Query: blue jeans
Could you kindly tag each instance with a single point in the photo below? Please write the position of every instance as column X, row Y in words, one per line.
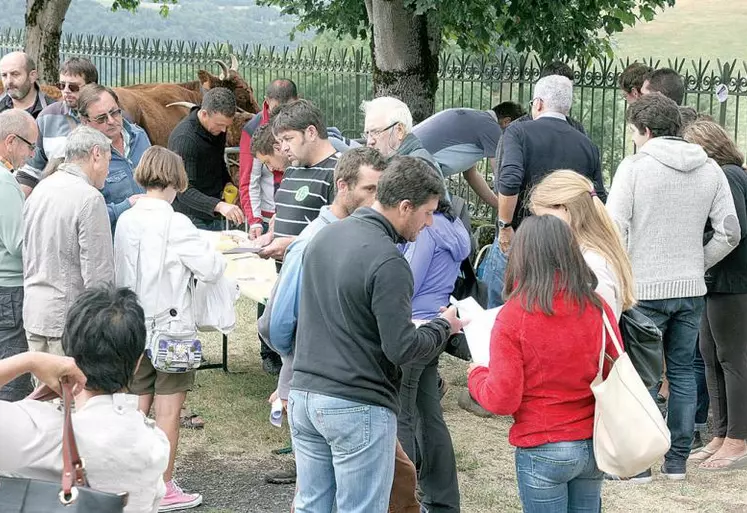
column 495, row 272
column 679, row 322
column 559, row 477
column 344, row 453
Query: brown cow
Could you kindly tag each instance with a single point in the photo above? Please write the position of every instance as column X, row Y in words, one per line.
column 146, row 104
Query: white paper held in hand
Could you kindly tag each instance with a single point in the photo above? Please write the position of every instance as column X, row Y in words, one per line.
column 276, row 413
column 477, row 332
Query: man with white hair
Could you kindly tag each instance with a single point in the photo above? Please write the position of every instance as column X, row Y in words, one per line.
column 531, row 150
column 67, row 244
column 19, row 76
column 388, row 128
column 17, row 131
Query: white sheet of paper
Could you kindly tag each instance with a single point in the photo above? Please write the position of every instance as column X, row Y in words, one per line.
column 477, row 332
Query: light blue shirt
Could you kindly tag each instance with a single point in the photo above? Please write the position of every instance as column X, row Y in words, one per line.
column 288, row 291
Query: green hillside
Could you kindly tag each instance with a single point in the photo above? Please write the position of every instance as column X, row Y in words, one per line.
column 692, row 29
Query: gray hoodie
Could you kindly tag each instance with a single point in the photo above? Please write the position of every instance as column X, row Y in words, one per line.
column 661, row 199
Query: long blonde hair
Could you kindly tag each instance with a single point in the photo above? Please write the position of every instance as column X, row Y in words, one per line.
column 715, row 141
column 589, row 220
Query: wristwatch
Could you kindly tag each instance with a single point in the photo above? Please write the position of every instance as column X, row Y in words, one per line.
column 502, row 225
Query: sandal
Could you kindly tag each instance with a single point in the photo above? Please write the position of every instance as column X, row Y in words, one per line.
column 735, row 463
column 700, row 455
column 190, row 420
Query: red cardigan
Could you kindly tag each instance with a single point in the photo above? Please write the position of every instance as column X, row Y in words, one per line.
column 540, row 370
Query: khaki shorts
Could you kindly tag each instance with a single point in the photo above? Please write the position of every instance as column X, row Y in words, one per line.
column 149, row 381
column 44, row 344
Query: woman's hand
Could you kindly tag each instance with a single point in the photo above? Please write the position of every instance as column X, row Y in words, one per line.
column 472, row 367
column 50, row 369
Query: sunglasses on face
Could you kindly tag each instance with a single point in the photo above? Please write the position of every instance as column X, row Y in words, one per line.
column 115, row 114
column 32, row 146
column 71, row 86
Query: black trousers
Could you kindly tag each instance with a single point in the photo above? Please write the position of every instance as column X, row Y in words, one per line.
column 424, row 436
column 723, row 344
column 13, row 340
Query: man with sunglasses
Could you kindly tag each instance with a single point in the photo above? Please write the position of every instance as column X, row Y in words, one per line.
column 17, row 130
column 99, row 108
column 56, row 121
column 18, row 74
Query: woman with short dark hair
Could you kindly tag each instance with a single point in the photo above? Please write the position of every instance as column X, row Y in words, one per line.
column 544, row 355
column 104, row 338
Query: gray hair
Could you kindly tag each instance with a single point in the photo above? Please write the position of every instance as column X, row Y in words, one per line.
column 219, row 100
column 15, row 122
column 556, row 92
column 396, row 111
column 82, row 141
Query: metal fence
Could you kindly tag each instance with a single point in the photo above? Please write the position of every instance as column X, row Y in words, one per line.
column 338, row 80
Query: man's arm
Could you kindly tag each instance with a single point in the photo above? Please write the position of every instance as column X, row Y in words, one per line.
column 480, row 186
column 599, row 177
column 391, row 303
column 726, row 230
column 284, row 317
column 95, row 241
column 11, row 220
column 620, row 199
column 512, row 172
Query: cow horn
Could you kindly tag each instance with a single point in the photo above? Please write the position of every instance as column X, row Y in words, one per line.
column 239, row 109
column 224, row 69
column 182, row 104
column 234, row 63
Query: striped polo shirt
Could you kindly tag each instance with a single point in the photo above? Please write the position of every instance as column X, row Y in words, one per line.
column 302, row 193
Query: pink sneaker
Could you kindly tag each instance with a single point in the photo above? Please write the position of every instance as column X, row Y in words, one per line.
column 175, row 498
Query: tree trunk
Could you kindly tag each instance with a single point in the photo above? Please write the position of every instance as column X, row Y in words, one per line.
column 43, row 32
column 405, row 49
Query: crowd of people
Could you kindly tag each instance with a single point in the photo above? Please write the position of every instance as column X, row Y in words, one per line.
column 100, row 243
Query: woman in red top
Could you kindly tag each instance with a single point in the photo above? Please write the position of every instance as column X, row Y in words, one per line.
column 544, row 354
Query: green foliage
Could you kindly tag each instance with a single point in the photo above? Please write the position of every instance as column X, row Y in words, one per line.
column 550, row 28
column 132, row 5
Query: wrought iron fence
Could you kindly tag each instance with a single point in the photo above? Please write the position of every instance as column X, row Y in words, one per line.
column 339, row 80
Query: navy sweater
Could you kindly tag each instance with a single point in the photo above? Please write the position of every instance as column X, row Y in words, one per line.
column 534, row 149
column 354, row 324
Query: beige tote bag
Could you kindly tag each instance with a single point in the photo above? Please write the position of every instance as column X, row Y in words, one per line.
column 630, row 435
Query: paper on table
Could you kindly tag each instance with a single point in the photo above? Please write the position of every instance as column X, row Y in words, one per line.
column 477, row 332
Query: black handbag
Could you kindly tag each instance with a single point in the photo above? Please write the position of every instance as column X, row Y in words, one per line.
column 643, row 343
column 72, row 495
column 467, row 285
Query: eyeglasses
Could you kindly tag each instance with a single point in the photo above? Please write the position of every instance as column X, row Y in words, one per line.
column 28, row 143
column 377, row 132
column 531, row 103
column 71, row 86
column 115, row 114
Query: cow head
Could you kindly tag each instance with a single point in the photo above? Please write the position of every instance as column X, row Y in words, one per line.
column 230, row 79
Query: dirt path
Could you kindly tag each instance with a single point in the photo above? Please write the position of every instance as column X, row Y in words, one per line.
column 234, row 484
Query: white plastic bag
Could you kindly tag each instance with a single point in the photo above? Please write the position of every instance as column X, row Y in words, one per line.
column 215, row 305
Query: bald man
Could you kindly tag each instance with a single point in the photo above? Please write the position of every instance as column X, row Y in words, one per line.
column 17, row 133
column 19, row 76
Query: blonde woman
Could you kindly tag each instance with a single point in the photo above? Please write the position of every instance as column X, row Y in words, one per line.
column 571, row 197
column 723, row 330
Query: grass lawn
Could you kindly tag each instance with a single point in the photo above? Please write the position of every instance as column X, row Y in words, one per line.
column 691, row 29
column 236, row 411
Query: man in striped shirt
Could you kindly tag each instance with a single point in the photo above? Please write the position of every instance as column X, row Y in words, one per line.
column 308, row 183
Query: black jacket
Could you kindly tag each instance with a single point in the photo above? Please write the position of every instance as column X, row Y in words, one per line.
column 534, row 149
column 729, row 276
column 202, row 153
column 354, row 326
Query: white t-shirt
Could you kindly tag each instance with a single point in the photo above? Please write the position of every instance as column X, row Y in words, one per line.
column 609, row 284
column 123, row 451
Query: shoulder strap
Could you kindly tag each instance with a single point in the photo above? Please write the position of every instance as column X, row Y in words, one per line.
column 162, row 263
column 607, row 328
column 73, row 470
